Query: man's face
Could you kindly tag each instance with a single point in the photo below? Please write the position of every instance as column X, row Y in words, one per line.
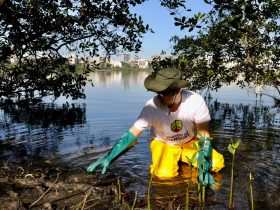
column 167, row 97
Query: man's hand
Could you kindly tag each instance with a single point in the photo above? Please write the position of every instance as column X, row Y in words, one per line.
column 102, row 162
column 125, row 141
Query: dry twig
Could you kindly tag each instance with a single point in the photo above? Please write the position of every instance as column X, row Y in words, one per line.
column 45, row 192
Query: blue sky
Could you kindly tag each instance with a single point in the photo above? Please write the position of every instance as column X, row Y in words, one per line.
column 162, row 24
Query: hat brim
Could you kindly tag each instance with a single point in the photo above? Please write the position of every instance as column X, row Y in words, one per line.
column 152, row 84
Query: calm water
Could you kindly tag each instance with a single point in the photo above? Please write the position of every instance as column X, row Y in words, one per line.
column 76, row 134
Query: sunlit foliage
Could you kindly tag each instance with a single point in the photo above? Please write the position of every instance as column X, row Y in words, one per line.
column 31, row 30
column 237, row 41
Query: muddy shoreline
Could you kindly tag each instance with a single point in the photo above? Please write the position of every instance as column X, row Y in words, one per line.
column 43, row 186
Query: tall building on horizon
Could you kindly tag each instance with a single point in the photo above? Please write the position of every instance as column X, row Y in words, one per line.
column 126, row 57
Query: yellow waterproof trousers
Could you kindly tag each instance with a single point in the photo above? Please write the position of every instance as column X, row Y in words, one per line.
column 165, row 158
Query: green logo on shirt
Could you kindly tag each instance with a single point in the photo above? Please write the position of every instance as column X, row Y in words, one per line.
column 177, row 125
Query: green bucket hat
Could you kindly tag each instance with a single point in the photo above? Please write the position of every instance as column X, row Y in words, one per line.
column 168, row 78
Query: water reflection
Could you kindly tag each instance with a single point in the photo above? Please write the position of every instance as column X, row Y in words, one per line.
column 78, row 134
column 45, row 115
column 258, row 129
column 239, row 117
column 103, row 78
column 36, row 130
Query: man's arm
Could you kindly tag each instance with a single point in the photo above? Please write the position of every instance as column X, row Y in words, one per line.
column 126, row 141
column 135, row 131
column 203, row 129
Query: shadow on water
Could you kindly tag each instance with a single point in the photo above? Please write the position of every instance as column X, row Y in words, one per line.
column 36, row 130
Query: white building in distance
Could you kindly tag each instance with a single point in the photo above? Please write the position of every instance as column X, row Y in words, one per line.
column 143, row 63
column 126, row 57
column 116, row 63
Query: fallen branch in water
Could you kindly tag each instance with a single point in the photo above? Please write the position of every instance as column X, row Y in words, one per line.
column 50, row 187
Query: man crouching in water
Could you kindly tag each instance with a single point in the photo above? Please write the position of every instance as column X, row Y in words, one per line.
column 176, row 116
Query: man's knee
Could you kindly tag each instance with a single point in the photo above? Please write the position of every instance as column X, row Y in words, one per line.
column 217, row 161
column 164, row 160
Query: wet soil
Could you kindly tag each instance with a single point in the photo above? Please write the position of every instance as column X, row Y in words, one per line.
column 40, row 185
column 43, row 186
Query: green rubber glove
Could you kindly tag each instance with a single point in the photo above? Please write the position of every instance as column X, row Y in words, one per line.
column 204, row 161
column 125, row 141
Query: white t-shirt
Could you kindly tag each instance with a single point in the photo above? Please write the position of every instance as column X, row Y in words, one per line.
column 174, row 128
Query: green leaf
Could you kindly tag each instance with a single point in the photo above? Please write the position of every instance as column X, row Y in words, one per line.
column 189, row 161
column 209, row 138
column 195, row 146
column 199, row 135
column 231, row 149
column 201, row 142
column 235, row 144
column 210, row 72
column 194, row 157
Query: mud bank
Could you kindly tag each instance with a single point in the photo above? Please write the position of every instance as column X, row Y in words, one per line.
column 42, row 186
